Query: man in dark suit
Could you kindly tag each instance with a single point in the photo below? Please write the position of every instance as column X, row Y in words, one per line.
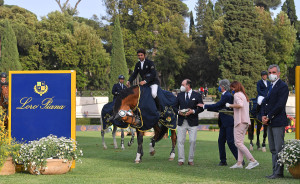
column 262, row 88
column 226, row 122
column 118, row 87
column 146, row 69
column 186, row 106
column 263, row 85
column 274, row 115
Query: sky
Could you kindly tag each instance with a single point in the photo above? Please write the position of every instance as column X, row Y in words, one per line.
column 87, row 8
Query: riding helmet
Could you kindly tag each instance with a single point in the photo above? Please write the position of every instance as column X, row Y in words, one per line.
column 121, row 77
column 3, row 75
column 263, row 73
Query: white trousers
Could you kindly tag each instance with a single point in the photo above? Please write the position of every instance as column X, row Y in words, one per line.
column 154, row 88
column 181, row 135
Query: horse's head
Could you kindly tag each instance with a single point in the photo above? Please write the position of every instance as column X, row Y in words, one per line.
column 125, row 104
column 4, row 94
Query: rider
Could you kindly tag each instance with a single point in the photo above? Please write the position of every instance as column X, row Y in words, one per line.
column 3, row 81
column 146, row 69
column 118, row 87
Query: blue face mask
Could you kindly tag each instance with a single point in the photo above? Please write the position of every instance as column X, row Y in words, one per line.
column 219, row 88
column 233, row 92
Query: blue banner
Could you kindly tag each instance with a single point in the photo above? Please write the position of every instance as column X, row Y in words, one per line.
column 40, row 104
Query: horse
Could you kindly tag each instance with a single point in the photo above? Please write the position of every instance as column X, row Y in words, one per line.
column 126, row 109
column 105, row 122
column 254, row 110
column 4, row 103
column 114, row 137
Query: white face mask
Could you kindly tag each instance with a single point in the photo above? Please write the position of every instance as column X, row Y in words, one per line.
column 182, row 89
column 273, row 77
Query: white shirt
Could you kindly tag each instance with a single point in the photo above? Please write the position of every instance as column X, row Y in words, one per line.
column 121, row 85
column 265, row 82
column 142, row 63
column 189, row 93
column 273, row 83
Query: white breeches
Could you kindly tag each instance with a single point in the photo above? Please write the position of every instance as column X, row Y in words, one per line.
column 154, row 88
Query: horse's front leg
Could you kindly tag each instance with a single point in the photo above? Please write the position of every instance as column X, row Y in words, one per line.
column 259, row 125
column 140, row 152
column 114, row 136
column 122, row 139
column 153, row 140
column 132, row 137
column 174, row 140
column 264, row 149
column 103, row 141
column 251, row 133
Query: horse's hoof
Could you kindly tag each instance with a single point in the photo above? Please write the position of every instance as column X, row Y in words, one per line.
column 264, row 149
column 105, row 147
column 137, row 161
column 251, row 148
column 123, row 148
column 259, row 149
column 152, row 153
column 116, row 147
column 171, row 159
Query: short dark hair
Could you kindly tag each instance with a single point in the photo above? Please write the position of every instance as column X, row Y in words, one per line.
column 189, row 82
column 141, row 51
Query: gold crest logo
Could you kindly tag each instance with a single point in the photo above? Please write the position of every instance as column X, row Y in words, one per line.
column 40, row 88
column 168, row 119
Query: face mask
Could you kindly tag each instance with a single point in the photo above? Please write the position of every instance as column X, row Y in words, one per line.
column 233, row 92
column 182, row 89
column 219, row 88
column 273, row 77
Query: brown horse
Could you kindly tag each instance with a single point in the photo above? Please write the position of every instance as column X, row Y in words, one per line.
column 125, row 108
column 4, row 103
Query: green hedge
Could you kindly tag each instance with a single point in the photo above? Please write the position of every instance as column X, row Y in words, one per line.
column 87, row 121
column 208, row 121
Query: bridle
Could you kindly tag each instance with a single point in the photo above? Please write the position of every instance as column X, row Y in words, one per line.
column 129, row 113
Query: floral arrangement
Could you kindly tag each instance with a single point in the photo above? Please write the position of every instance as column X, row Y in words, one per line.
column 36, row 153
column 7, row 148
column 290, row 154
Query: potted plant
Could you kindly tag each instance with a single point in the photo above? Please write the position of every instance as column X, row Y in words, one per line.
column 290, row 156
column 49, row 155
column 8, row 151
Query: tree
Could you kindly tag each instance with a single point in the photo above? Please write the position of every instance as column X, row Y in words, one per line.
column 118, row 64
column 192, row 26
column 66, row 7
column 289, row 8
column 9, row 53
column 243, row 48
column 1, row 2
column 285, row 35
column 267, row 4
column 200, row 12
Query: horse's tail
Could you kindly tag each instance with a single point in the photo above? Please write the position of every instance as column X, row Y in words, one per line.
column 162, row 131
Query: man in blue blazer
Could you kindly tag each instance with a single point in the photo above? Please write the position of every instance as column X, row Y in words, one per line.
column 274, row 115
column 118, row 87
column 226, row 122
column 187, row 109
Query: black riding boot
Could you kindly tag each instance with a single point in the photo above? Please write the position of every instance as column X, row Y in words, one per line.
column 158, row 106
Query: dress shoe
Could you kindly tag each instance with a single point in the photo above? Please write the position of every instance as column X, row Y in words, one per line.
column 275, row 176
column 180, row 163
column 222, row 164
column 191, row 163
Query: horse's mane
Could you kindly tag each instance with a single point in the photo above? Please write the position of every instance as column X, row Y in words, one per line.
column 123, row 94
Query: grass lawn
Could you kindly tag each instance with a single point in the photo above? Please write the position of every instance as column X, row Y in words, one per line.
column 117, row 166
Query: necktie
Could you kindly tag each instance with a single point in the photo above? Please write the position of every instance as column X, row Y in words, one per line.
column 271, row 87
column 187, row 98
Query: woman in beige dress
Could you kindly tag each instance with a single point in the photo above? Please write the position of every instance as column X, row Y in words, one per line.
column 241, row 122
